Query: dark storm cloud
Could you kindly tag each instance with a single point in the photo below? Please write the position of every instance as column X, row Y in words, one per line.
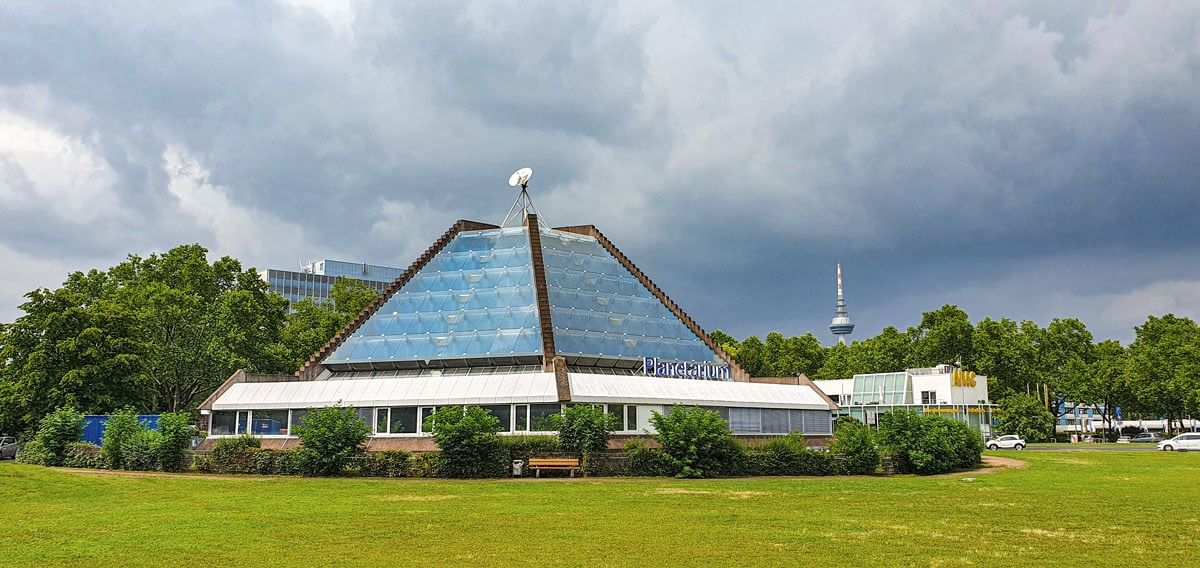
column 943, row 152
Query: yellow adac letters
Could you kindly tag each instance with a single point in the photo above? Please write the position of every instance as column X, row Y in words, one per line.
column 961, row 378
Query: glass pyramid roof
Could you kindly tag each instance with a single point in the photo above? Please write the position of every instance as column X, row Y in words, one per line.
column 474, row 299
column 599, row 309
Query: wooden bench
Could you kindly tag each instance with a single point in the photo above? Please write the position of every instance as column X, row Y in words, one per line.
column 538, row 464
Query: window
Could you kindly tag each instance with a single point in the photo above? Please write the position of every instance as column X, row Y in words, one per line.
column 224, row 423
column 426, row 412
column 744, row 420
column 243, row 420
column 298, row 416
column 403, row 420
column 928, row 397
column 269, row 423
column 618, row 410
column 631, row 418
column 539, row 416
column 522, row 422
column 381, row 420
column 504, row 414
column 774, row 421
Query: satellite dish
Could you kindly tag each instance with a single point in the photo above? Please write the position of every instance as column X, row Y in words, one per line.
column 520, row 177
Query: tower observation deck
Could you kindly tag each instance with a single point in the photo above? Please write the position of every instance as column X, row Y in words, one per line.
column 841, row 325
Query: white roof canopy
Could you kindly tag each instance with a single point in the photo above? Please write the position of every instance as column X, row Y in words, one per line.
column 512, row 389
column 691, row 392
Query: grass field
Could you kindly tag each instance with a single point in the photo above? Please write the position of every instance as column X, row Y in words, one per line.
column 1076, row 508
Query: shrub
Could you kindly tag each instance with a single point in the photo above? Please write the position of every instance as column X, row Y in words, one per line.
column 119, row 428
column 468, row 442
column 385, row 464
column 333, row 434
column 1024, row 415
column 139, row 451
column 525, row 447
column 235, row 455
column 428, row 464
column 696, row 441
column 645, row 461
column 55, row 434
column 787, row 455
column 855, row 445
column 176, row 440
column 584, row 429
column 83, row 455
column 928, row 443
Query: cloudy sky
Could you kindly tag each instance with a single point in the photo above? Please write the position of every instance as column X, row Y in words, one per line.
column 1023, row 160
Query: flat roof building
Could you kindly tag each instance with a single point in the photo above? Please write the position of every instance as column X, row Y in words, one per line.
column 520, row 319
column 316, row 279
column 944, row 390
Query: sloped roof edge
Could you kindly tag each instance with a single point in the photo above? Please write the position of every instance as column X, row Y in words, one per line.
column 313, row 367
column 738, row 373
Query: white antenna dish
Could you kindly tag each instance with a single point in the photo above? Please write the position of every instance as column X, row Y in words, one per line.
column 520, row 177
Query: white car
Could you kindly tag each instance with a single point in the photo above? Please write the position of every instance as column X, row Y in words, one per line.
column 1009, row 442
column 1182, row 442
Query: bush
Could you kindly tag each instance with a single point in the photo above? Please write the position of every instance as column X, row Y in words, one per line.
column 584, row 429
column 56, row 433
column 927, row 443
column 139, row 451
column 468, row 442
column 428, row 464
column 645, row 461
column 386, row 464
column 787, row 455
column 83, row 455
column 119, row 428
column 333, row 434
column 176, row 440
column 1024, row 415
column 696, row 441
column 525, row 447
column 234, row 455
column 854, row 443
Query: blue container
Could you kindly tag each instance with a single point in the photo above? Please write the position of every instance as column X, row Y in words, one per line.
column 94, row 424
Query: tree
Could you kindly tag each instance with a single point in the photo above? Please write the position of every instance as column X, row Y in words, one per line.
column 70, row 349
column 854, row 442
column 1163, row 367
column 56, row 432
column 1025, row 415
column 1104, row 382
column 468, row 441
column 751, row 355
column 158, row 333
column 790, row 356
column 943, row 336
column 331, row 435
column 1065, row 357
column 883, row 353
column 928, row 443
column 696, row 441
column 1004, row 353
column 312, row 324
column 584, row 429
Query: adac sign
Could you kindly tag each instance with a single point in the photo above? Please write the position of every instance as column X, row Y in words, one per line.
column 653, row 367
column 961, row 378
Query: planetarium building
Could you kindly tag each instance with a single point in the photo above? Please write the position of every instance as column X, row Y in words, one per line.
column 520, row 319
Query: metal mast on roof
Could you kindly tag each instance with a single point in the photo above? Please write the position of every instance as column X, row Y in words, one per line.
column 523, row 206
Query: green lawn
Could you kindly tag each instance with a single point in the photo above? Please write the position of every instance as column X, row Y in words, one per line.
column 1066, row 508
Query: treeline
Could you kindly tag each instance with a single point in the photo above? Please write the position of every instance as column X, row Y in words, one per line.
column 1158, row 375
column 156, row 334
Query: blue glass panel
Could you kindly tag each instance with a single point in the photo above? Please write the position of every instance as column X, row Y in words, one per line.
column 474, row 298
column 599, row 308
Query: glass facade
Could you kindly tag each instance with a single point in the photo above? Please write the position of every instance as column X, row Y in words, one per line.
column 600, row 309
column 881, row 388
column 475, row 298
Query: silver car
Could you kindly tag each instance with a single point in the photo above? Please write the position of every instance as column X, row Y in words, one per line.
column 8, row 447
column 1182, row 442
column 1009, row 442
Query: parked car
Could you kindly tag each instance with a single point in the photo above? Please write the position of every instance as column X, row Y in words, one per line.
column 1009, row 442
column 8, row 447
column 1146, row 437
column 1182, row 442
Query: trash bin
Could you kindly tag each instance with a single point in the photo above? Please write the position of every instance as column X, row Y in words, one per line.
column 518, row 468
